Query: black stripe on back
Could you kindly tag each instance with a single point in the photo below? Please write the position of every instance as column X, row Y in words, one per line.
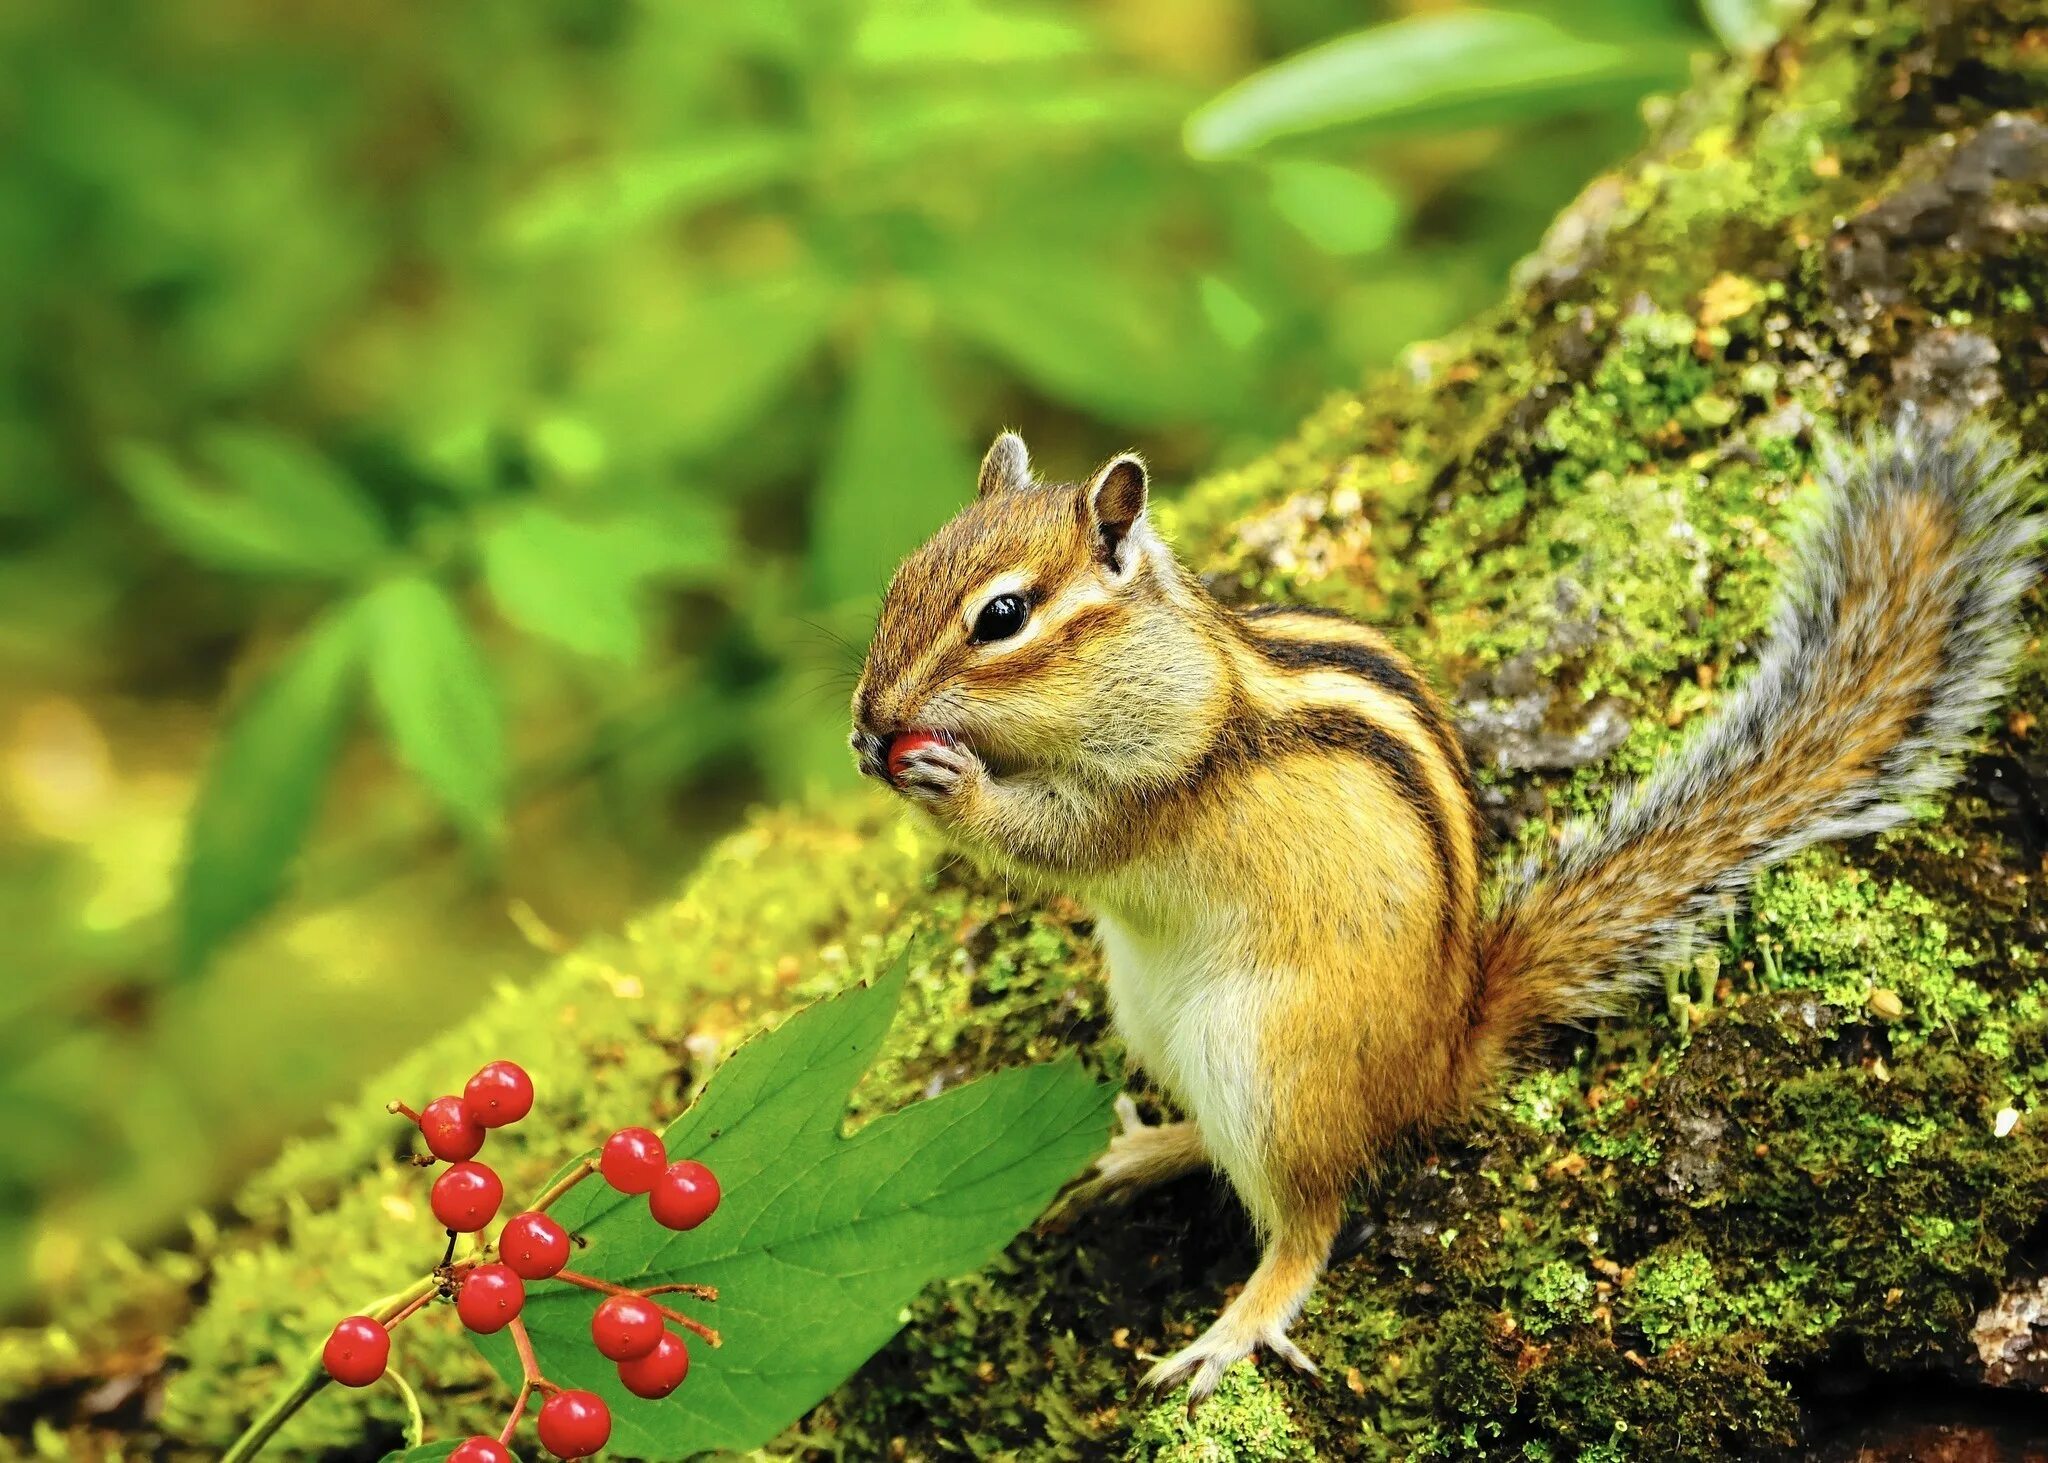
column 1349, row 731
column 1379, row 669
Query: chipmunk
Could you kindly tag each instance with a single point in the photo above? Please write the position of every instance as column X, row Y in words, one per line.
column 1272, row 819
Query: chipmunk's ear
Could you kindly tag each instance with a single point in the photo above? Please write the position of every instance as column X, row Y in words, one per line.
column 1116, row 503
column 1006, row 468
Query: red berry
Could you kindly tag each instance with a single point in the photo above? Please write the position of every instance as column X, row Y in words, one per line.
column 574, row 1424
column 490, row 1297
column 534, row 1246
column 451, row 1133
column 659, row 1372
column 908, row 742
column 481, row 1449
column 357, row 1351
column 500, row 1093
column 684, row 1196
column 466, row 1197
column 632, row 1160
column 626, row 1327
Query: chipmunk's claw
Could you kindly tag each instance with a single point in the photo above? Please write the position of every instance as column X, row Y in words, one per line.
column 1201, row 1365
column 938, row 773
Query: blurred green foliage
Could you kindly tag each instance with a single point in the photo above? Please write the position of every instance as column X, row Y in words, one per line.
column 500, row 420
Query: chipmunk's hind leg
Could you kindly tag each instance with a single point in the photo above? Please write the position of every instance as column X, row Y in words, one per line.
column 1262, row 1312
column 1139, row 1156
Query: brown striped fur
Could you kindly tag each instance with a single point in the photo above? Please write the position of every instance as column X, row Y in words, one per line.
column 1274, row 821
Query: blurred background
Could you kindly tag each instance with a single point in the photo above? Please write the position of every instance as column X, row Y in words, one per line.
column 450, row 454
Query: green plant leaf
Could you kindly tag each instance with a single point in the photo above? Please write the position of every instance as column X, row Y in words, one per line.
column 559, row 579
column 1452, row 68
column 592, row 203
column 963, row 33
column 701, row 373
column 263, row 785
column 821, row 1238
column 579, row 583
column 896, row 472
column 1091, row 334
column 1341, row 211
column 430, row 1453
column 279, row 507
column 435, row 697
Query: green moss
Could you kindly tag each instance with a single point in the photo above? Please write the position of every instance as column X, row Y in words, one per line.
column 1820, row 925
column 1675, row 1295
column 1245, row 1420
column 1556, row 1295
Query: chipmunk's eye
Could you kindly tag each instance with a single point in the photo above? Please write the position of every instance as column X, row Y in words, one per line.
column 1001, row 618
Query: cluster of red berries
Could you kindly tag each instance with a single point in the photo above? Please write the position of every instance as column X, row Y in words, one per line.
column 629, row 1329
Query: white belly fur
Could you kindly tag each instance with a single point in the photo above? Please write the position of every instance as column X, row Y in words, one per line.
column 1191, row 1015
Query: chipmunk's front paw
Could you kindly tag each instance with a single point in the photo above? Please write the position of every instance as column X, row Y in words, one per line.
column 1202, row 1364
column 938, row 773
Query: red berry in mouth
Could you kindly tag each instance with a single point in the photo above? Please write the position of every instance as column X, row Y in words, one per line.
column 481, row 1449
column 901, row 746
column 534, row 1246
column 626, row 1328
column 357, row 1351
column 451, row 1133
column 490, row 1297
column 466, row 1197
column 632, row 1160
column 574, row 1424
column 684, row 1196
column 500, row 1093
column 659, row 1372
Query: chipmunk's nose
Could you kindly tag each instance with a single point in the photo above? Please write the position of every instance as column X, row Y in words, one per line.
column 871, row 750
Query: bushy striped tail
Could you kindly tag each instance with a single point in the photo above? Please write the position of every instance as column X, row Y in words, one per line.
column 1894, row 637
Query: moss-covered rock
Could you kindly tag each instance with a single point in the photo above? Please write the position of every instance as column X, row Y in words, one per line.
column 1823, row 1155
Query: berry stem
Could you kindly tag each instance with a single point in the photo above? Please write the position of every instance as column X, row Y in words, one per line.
column 591, row 1282
column 415, row 1423
column 563, row 1184
column 530, row 1379
column 683, row 1287
column 394, row 1106
column 313, row 1376
column 409, row 1307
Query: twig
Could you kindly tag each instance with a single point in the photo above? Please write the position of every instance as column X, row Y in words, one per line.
column 591, row 1282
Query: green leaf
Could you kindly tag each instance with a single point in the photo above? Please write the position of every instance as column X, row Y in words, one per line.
column 436, row 700
column 579, row 583
column 960, row 33
column 1233, row 315
column 263, row 785
column 896, row 472
column 1340, row 210
column 592, row 203
column 281, row 508
column 1452, row 68
column 1091, row 334
column 699, row 374
column 821, row 1239
column 431, row 1453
